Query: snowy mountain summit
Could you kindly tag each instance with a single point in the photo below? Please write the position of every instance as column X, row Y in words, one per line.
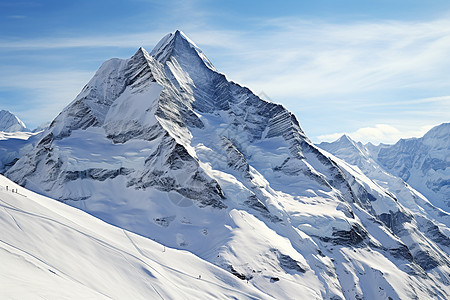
column 165, row 146
column 10, row 122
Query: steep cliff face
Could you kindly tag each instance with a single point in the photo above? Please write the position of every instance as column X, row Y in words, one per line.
column 164, row 145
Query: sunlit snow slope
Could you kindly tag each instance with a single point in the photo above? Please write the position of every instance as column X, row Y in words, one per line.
column 49, row 250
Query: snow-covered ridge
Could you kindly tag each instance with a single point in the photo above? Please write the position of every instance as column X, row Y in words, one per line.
column 14, row 145
column 165, row 146
column 15, row 139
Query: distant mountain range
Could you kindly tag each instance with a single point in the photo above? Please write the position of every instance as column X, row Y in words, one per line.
column 424, row 163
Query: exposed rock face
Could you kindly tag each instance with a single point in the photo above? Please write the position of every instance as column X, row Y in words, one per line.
column 164, row 145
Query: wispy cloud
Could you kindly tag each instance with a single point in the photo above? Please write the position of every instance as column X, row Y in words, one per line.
column 16, row 17
column 47, row 94
column 445, row 100
column 315, row 58
column 307, row 58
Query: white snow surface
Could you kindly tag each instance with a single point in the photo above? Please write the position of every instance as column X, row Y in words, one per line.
column 50, row 250
column 163, row 145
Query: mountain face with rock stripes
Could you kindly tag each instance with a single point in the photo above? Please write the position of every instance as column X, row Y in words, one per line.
column 164, row 145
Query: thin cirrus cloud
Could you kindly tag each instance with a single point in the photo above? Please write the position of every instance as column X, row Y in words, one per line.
column 320, row 58
column 103, row 41
column 46, row 93
column 16, row 17
column 329, row 59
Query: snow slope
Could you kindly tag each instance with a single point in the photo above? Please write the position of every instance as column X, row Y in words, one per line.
column 51, row 250
column 163, row 145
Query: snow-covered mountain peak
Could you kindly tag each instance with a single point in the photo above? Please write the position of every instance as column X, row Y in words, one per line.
column 423, row 162
column 345, row 146
column 345, row 140
column 141, row 53
column 180, row 34
column 181, row 47
column 10, row 122
column 357, row 154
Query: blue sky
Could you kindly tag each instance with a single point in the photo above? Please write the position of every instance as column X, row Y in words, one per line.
column 377, row 70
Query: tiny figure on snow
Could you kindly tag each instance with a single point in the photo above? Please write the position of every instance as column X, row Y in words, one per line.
column 199, row 276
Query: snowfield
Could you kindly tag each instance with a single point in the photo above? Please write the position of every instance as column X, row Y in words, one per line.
column 51, row 250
